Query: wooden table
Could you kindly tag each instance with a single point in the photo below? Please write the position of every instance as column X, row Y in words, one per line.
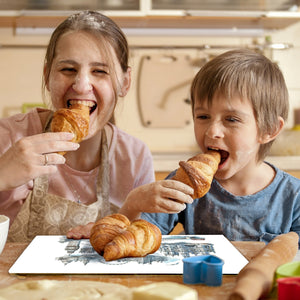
column 13, row 250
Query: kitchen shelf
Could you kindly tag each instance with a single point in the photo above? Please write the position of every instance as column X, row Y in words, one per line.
column 205, row 20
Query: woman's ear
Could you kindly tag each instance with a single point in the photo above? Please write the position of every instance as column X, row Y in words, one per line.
column 126, row 83
column 265, row 138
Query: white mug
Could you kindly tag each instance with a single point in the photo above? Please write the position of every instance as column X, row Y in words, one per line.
column 4, row 226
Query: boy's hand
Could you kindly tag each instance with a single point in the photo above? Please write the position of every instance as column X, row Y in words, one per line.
column 165, row 196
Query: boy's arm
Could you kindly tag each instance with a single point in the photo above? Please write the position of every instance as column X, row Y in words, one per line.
column 165, row 196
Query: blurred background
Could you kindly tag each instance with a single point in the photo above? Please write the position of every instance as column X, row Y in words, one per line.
column 170, row 40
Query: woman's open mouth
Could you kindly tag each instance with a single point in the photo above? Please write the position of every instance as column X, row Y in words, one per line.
column 91, row 104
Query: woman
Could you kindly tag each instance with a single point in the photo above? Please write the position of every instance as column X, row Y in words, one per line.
column 44, row 192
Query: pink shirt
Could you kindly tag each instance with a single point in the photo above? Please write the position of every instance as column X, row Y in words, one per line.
column 130, row 162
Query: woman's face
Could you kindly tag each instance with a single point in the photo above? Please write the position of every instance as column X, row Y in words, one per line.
column 80, row 73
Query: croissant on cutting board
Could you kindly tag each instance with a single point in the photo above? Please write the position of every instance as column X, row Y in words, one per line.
column 198, row 172
column 75, row 120
column 106, row 229
column 139, row 239
column 115, row 237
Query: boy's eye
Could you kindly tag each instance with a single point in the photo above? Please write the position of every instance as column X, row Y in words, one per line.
column 101, row 71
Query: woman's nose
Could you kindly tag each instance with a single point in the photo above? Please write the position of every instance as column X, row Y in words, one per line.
column 82, row 84
column 215, row 130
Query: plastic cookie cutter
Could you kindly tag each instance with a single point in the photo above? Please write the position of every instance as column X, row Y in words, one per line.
column 291, row 269
column 288, row 281
column 288, row 288
column 206, row 269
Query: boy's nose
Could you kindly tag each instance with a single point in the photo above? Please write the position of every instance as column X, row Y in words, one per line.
column 82, row 84
column 215, row 130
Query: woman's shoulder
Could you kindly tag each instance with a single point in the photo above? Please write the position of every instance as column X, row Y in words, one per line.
column 122, row 139
column 23, row 123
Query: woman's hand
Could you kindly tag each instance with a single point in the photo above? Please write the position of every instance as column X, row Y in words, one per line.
column 80, row 232
column 165, row 196
column 33, row 156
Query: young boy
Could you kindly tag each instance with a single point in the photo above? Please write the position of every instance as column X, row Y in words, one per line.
column 239, row 104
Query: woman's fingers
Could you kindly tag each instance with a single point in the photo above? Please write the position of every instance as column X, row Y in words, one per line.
column 49, row 142
column 33, row 156
column 48, row 159
column 80, row 232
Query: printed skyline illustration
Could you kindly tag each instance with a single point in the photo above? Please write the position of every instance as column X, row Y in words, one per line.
column 172, row 250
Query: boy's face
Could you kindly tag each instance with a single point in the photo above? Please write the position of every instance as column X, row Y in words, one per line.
column 230, row 127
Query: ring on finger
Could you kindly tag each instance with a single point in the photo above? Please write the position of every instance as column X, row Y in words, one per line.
column 46, row 159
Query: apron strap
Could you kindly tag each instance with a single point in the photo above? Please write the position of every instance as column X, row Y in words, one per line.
column 103, row 179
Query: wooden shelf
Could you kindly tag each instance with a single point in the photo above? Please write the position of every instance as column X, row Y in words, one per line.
column 212, row 22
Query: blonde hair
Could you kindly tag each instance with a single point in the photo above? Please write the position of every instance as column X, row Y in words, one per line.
column 106, row 30
column 251, row 76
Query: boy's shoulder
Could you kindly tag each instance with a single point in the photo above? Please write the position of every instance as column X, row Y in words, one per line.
column 284, row 175
column 284, row 183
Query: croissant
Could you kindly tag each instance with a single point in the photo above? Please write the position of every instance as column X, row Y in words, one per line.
column 198, row 172
column 105, row 229
column 75, row 120
column 139, row 239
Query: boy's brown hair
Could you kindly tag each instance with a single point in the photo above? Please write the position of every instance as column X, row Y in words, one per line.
column 251, row 76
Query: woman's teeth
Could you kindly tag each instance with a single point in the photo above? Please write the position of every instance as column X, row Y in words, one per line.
column 83, row 102
column 92, row 105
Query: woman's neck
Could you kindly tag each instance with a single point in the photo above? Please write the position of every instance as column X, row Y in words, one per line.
column 88, row 155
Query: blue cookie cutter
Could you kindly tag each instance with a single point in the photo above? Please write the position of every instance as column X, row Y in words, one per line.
column 206, row 269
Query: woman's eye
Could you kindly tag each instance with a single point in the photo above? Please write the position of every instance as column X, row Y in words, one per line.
column 68, row 70
column 202, row 117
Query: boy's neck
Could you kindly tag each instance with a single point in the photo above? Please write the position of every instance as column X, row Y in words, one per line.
column 251, row 182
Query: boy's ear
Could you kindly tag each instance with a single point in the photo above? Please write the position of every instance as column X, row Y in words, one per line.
column 267, row 137
column 126, row 83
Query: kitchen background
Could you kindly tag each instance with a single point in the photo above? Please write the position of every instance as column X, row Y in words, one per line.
column 170, row 41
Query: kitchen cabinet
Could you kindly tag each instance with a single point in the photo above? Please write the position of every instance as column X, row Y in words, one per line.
column 259, row 14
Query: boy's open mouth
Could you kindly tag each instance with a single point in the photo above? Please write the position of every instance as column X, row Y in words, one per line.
column 224, row 154
column 91, row 104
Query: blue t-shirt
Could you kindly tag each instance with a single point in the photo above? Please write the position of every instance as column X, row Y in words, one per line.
column 258, row 217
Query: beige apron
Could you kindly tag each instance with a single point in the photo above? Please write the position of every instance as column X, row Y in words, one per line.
column 48, row 214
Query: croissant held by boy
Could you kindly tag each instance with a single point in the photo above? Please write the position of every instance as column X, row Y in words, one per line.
column 198, row 172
